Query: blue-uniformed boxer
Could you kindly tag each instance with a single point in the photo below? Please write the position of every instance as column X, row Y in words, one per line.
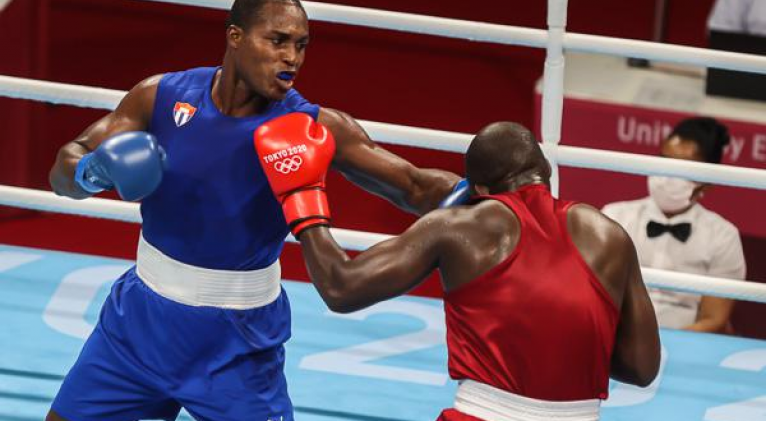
column 200, row 322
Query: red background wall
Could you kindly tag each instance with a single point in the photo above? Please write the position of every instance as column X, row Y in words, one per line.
column 372, row 74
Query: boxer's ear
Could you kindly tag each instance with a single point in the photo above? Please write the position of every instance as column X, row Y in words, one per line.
column 478, row 189
column 234, row 35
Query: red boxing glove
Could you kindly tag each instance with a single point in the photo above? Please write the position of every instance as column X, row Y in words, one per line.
column 295, row 153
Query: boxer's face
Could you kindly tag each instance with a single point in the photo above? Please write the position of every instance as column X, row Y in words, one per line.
column 269, row 54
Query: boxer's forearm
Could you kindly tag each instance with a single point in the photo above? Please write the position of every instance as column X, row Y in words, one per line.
column 322, row 254
column 432, row 186
column 415, row 190
column 386, row 270
column 345, row 285
column 62, row 173
column 366, row 164
column 637, row 352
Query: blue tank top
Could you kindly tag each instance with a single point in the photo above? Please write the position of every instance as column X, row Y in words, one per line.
column 214, row 207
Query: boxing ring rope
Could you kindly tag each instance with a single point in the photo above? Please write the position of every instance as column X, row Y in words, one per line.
column 555, row 40
column 84, row 96
column 357, row 240
column 511, row 35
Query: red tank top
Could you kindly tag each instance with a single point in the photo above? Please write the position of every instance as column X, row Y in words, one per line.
column 539, row 324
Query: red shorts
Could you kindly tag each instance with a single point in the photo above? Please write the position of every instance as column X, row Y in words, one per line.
column 455, row 415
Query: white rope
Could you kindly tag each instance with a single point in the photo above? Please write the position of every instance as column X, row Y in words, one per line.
column 60, row 93
column 117, row 210
column 652, row 165
column 513, row 35
column 84, row 96
column 698, row 284
column 46, row 201
column 359, row 241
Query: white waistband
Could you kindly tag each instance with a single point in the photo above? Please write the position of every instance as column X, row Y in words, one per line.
column 492, row 404
column 197, row 286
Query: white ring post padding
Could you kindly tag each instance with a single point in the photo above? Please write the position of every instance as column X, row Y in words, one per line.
column 359, row 241
column 553, row 87
column 84, row 96
column 513, row 35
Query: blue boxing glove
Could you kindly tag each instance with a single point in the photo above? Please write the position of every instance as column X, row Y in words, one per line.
column 460, row 195
column 131, row 162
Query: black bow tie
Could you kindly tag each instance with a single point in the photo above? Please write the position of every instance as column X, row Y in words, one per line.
column 680, row 231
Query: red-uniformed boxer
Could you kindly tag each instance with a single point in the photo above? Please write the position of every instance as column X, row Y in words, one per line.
column 544, row 298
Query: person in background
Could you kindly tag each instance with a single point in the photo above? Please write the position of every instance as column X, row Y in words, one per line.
column 673, row 231
column 741, row 16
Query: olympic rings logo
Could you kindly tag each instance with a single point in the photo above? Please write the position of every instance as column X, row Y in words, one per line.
column 288, row 165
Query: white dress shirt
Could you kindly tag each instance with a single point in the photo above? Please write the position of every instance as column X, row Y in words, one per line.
column 743, row 16
column 713, row 249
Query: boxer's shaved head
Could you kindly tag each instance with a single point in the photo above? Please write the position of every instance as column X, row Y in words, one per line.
column 503, row 152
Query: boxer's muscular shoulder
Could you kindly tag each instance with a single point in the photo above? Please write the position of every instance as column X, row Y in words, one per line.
column 488, row 223
column 588, row 224
column 139, row 101
column 349, row 135
column 335, row 119
column 493, row 216
column 604, row 245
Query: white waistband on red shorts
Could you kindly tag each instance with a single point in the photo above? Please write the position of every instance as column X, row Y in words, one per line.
column 492, row 404
column 198, row 286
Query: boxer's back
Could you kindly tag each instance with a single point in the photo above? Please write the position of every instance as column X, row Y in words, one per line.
column 539, row 323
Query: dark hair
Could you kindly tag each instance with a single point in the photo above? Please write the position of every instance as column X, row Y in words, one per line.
column 244, row 13
column 709, row 135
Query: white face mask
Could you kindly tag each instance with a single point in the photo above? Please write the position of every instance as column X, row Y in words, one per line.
column 671, row 194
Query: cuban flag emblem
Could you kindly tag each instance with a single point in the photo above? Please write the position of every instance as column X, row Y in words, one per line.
column 182, row 113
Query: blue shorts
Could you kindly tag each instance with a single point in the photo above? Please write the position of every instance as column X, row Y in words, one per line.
column 149, row 356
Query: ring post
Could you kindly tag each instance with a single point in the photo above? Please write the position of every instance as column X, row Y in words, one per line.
column 553, row 87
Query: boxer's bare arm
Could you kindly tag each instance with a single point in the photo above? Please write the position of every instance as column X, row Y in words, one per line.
column 462, row 242
column 384, row 271
column 636, row 356
column 378, row 171
column 609, row 252
column 133, row 113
